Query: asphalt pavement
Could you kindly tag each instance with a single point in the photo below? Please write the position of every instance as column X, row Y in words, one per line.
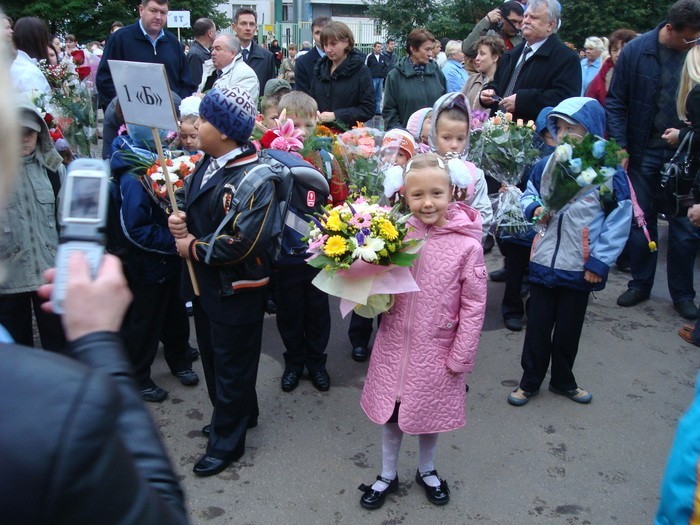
column 551, row 461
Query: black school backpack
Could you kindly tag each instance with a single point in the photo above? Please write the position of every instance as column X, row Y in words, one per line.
column 301, row 191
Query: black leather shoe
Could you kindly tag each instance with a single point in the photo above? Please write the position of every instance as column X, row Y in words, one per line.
column 359, row 353
column 206, row 430
column 290, row 380
column 631, row 297
column 374, row 499
column 209, row 465
column 687, row 309
column 513, row 324
column 498, row 276
column 321, row 380
column 436, row 495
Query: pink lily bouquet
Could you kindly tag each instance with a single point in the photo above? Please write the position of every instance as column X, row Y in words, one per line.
column 364, row 255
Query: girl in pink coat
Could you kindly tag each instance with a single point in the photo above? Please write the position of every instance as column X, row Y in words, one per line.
column 427, row 342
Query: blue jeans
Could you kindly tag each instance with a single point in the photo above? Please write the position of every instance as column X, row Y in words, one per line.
column 377, row 83
column 683, row 239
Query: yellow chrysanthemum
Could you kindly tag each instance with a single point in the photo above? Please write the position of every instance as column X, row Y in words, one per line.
column 335, row 246
column 333, row 223
column 388, row 231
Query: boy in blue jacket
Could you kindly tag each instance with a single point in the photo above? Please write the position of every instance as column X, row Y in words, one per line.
column 571, row 259
column 152, row 267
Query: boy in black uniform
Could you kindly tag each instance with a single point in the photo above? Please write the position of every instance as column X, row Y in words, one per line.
column 229, row 253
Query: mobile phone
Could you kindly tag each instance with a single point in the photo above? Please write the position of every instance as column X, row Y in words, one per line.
column 496, row 98
column 83, row 218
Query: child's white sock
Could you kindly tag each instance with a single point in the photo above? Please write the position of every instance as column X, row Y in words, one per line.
column 391, row 445
column 427, row 444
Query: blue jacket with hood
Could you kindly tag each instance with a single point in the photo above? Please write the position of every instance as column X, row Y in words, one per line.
column 581, row 236
column 153, row 259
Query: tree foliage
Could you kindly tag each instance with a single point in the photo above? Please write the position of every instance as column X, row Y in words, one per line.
column 90, row 20
column 584, row 18
column 456, row 18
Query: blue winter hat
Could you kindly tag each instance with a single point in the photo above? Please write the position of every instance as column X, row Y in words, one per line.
column 231, row 110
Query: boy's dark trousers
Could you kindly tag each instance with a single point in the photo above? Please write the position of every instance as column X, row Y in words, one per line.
column 554, row 324
column 517, row 262
column 360, row 330
column 303, row 317
column 230, row 354
column 156, row 310
column 16, row 317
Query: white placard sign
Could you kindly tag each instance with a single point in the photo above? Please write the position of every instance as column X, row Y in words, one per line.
column 178, row 19
column 144, row 94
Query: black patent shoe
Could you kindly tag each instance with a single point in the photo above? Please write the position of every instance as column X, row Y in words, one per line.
column 436, row 495
column 321, row 380
column 290, row 380
column 374, row 499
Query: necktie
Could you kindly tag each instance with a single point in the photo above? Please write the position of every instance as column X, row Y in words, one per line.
column 211, row 169
column 245, row 55
column 218, row 73
column 514, row 77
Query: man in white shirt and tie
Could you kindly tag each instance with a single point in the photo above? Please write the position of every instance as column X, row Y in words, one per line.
column 258, row 58
column 226, row 68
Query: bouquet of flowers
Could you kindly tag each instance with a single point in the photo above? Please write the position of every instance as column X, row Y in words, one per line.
column 504, row 149
column 362, row 250
column 576, row 167
column 178, row 170
column 358, row 151
column 71, row 103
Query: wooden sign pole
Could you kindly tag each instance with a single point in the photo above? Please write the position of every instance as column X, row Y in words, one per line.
column 173, row 202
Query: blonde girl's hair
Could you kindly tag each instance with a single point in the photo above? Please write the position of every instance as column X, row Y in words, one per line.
column 188, row 119
column 690, row 77
column 428, row 161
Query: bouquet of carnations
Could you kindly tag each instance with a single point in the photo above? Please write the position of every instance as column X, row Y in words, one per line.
column 576, row 167
column 358, row 151
column 178, row 170
column 71, row 103
column 364, row 256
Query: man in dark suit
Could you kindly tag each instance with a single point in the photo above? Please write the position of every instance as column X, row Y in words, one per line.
column 304, row 69
column 245, row 24
column 228, row 248
column 146, row 41
column 204, row 35
column 539, row 72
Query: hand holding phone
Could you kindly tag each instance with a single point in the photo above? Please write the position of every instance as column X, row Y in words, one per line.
column 83, row 219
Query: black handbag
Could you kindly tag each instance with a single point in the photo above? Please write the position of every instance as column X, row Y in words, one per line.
column 679, row 187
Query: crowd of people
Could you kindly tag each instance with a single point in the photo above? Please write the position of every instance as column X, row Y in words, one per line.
column 640, row 90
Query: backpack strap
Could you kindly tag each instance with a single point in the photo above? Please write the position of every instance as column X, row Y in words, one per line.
column 248, row 186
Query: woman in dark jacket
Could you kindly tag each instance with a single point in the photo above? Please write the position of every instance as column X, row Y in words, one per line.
column 688, row 108
column 342, row 84
column 416, row 82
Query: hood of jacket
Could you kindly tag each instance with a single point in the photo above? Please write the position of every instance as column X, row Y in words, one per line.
column 405, row 67
column 46, row 152
column 350, row 66
column 579, row 110
column 450, row 100
column 461, row 219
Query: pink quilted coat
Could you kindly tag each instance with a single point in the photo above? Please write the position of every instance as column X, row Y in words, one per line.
column 427, row 342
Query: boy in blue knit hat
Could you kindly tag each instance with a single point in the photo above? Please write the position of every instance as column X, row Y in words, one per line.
column 229, row 254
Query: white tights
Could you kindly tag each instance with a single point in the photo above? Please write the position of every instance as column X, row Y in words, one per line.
column 391, row 445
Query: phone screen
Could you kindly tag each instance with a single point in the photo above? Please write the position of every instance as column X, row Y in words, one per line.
column 85, row 198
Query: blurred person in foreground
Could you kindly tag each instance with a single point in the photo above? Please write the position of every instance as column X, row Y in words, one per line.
column 97, row 457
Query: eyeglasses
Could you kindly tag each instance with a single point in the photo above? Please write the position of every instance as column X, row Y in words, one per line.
column 695, row 41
